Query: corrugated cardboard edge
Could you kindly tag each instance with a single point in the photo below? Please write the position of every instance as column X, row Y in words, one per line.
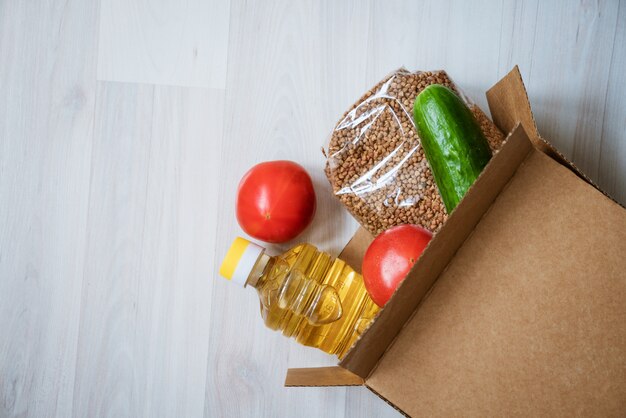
column 373, row 343
column 352, row 254
column 387, row 401
column 368, row 349
column 321, row 376
column 401, row 370
column 518, row 130
column 509, row 105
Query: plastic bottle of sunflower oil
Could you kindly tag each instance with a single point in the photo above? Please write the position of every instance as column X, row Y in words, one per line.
column 305, row 293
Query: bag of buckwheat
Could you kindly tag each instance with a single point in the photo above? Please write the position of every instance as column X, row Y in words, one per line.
column 375, row 163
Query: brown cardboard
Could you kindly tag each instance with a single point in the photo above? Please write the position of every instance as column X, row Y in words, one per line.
column 524, row 310
column 509, row 105
column 529, row 317
column 322, row 376
column 354, row 251
column 369, row 348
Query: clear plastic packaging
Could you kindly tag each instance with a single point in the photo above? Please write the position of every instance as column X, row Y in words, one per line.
column 375, row 163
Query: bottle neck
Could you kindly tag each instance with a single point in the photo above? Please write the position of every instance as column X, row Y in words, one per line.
column 258, row 270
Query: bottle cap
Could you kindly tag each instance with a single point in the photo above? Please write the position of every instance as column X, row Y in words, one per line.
column 240, row 260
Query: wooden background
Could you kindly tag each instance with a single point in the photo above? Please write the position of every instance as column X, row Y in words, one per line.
column 125, row 126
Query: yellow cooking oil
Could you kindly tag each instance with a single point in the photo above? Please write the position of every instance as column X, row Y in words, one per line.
column 307, row 294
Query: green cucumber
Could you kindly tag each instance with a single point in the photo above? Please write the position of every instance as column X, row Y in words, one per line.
column 455, row 147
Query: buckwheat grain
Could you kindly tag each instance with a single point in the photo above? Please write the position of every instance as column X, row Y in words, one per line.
column 375, row 163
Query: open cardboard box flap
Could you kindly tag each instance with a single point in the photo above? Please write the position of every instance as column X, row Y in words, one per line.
column 517, row 306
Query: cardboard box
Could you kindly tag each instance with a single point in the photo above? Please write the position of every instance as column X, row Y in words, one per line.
column 517, row 306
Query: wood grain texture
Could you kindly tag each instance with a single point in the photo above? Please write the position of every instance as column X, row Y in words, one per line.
column 47, row 94
column 117, row 196
column 568, row 77
column 180, row 43
column 108, row 352
column 459, row 37
column 612, row 166
column 304, row 54
column 144, row 323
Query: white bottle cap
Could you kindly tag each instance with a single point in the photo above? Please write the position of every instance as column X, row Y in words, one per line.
column 240, row 260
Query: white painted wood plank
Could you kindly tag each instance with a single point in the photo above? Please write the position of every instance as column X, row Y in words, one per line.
column 517, row 37
column 152, row 328
column 293, row 69
column 564, row 54
column 568, row 78
column 568, row 57
column 477, row 44
column 612, row 176
column 458, row 36
column 113, row 348
column 47, row 94
column 144, row 319
column 178, row 242
column 181, row 43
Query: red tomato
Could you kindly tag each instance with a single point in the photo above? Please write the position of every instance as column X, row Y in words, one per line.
column 389, row 258
column 275, row 201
